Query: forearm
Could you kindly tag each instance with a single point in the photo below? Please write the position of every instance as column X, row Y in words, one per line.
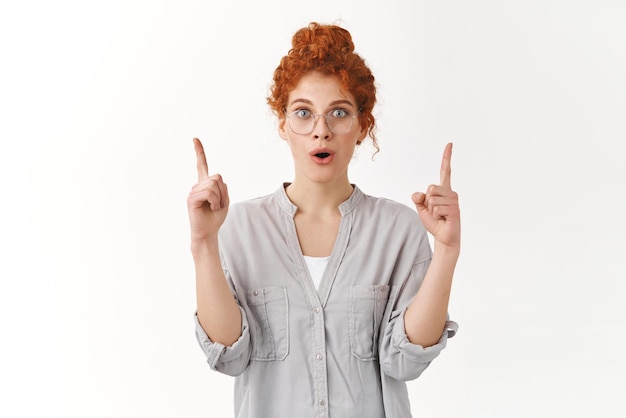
column 217, row 310
column 426, row 316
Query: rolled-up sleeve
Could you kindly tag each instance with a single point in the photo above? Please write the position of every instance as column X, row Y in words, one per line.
column 399, row 358
column 231, row 360
column 404, row 360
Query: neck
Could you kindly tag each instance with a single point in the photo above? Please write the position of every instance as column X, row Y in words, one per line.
column 318, row 198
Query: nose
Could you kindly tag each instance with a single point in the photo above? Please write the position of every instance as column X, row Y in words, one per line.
column 320, row 127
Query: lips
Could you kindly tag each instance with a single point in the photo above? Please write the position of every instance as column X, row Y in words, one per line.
column 321, row 155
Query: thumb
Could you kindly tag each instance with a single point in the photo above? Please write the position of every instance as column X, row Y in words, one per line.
column 419, row 200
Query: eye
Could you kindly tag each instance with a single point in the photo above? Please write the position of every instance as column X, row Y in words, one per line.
column 302, row 113
column 339, row 113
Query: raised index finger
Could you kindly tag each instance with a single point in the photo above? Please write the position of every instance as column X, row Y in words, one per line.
column 445, row 166
column 201, row 164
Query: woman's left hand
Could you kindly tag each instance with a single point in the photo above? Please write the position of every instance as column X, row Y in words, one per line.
column 438, row 208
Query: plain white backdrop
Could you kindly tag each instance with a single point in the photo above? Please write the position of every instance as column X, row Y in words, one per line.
column 99, row 102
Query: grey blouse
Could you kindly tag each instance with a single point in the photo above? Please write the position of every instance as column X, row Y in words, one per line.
column 337, row 351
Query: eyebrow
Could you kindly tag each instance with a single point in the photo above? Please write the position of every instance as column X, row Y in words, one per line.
column 333, row 103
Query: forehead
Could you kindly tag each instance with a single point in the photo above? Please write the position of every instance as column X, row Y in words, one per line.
column 319, row 90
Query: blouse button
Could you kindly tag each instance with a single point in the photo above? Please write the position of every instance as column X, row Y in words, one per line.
column 317, row 309
column 322, row 402
column 319, row 356
column 255, row 293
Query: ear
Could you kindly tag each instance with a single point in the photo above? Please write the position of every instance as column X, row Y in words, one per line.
column 282, row 128
column 361, row 136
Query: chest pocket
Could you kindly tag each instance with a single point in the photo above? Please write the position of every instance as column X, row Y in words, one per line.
column 367, row 306
column 270, row 325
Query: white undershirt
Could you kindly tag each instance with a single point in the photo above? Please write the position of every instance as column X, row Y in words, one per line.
column 316, row 266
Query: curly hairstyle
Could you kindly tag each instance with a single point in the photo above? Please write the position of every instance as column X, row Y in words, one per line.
column 328, row 49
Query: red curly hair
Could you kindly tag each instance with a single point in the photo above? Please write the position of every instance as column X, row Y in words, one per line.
column 328, row 49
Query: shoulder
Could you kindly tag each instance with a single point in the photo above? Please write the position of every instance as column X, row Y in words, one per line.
column 252, row 204
column 383, row 214
column 396, row 224
column 250, row 208
column 388, row 208
column 253, row 214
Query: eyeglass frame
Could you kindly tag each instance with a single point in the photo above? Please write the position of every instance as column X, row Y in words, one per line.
column 315, row 116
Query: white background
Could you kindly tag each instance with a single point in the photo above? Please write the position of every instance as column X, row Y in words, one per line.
column 99, row 102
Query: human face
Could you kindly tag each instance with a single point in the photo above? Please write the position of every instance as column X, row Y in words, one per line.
column 321, row 156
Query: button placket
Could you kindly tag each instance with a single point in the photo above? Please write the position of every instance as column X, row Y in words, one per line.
column 319, row 350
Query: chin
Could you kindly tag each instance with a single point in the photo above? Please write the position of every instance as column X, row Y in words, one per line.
column 323, row 178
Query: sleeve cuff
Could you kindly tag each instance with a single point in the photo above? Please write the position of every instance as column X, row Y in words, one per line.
column 218, row 353
column 415, row 352
column 451, row 328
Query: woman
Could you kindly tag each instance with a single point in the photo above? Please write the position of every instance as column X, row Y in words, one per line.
column 323, row 301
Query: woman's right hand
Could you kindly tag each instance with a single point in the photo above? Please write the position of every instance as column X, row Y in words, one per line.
column 208, row 200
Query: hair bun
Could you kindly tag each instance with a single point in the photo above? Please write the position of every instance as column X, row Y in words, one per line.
column 321, row 41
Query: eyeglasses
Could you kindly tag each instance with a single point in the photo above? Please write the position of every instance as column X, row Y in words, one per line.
column 303, row 121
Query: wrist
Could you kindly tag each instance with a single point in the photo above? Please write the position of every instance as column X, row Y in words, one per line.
column 450, row 252
column 204, row 245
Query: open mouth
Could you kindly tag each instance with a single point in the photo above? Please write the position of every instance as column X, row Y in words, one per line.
column 322, row 154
